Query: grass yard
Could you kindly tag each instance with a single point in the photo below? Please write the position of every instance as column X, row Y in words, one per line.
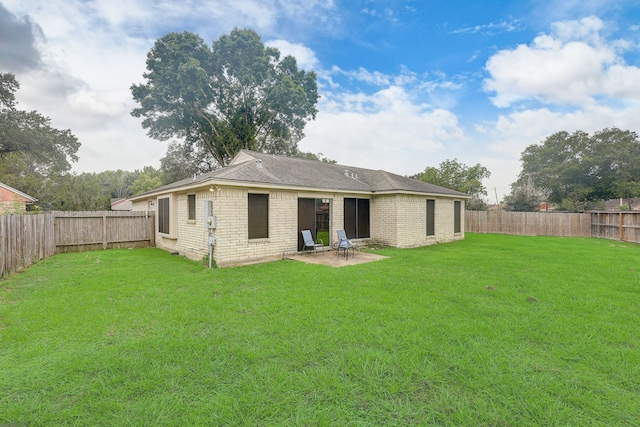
column 493, row 330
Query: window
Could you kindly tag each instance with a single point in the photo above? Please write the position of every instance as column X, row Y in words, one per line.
column 258, row 216
column 431, row 217
column 163, row 216
column 457, row 214
column 191, row 207
column 356, row 218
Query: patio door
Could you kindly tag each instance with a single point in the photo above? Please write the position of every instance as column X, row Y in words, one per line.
column 314, row 215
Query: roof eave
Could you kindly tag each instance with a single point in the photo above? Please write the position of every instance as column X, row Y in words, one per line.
column 422, row 193
column 252, row 184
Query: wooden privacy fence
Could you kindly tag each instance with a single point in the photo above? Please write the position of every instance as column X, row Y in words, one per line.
column 528, row 223
column 87, row 231
column 25, row 239
column 623, row 226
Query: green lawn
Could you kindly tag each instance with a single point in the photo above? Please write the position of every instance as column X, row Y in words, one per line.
column 493, row 331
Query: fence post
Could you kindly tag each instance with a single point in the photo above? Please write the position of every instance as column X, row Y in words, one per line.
column 104, row 232
column 153, row 229
column 620, row 235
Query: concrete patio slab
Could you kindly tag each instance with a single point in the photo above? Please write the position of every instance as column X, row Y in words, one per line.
column 330, row 259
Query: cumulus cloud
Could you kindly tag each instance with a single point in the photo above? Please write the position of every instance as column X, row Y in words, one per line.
column 572, row 65
column 384, row 130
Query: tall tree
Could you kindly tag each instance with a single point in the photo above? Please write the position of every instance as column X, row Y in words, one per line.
column 29, row 136
column 33, row 155
column 579, row 168
column 313, row 156
column 183, row 160
column 457, row 176
column 236, row 94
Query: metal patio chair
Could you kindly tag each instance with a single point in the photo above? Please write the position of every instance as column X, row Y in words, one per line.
column 344, row 244
column 309, row 243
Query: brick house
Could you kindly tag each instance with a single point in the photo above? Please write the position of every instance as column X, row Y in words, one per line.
column 260, row 202
column 12, row 200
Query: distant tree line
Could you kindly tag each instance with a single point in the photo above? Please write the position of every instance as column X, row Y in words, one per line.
column 577, row 171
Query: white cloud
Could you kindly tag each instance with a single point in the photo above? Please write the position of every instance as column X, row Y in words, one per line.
column 572, row 65
column 385, row 130
column 504, row 26
column 305, row 57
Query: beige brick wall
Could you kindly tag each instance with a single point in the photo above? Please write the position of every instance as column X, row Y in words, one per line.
column 396, row 220
column 401, row 220
column 384, row 219
column 192, row 234
column 337, row 217
column 232, row 235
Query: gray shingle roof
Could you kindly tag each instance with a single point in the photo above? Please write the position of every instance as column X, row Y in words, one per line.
column 275, row 170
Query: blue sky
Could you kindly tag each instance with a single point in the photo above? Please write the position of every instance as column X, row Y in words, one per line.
column 404, row 84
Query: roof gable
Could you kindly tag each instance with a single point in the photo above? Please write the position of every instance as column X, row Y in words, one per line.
column 18, row 192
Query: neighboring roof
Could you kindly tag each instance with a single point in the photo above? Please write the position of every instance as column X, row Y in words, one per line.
column 121, row 205
column 613, row 204
column 254, row 168
column 18, row 192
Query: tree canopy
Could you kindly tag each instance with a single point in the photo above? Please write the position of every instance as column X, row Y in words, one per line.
column 457, row 176
column 578, row 168
column 236, row 94
column 525, row 197
column 27, row 139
